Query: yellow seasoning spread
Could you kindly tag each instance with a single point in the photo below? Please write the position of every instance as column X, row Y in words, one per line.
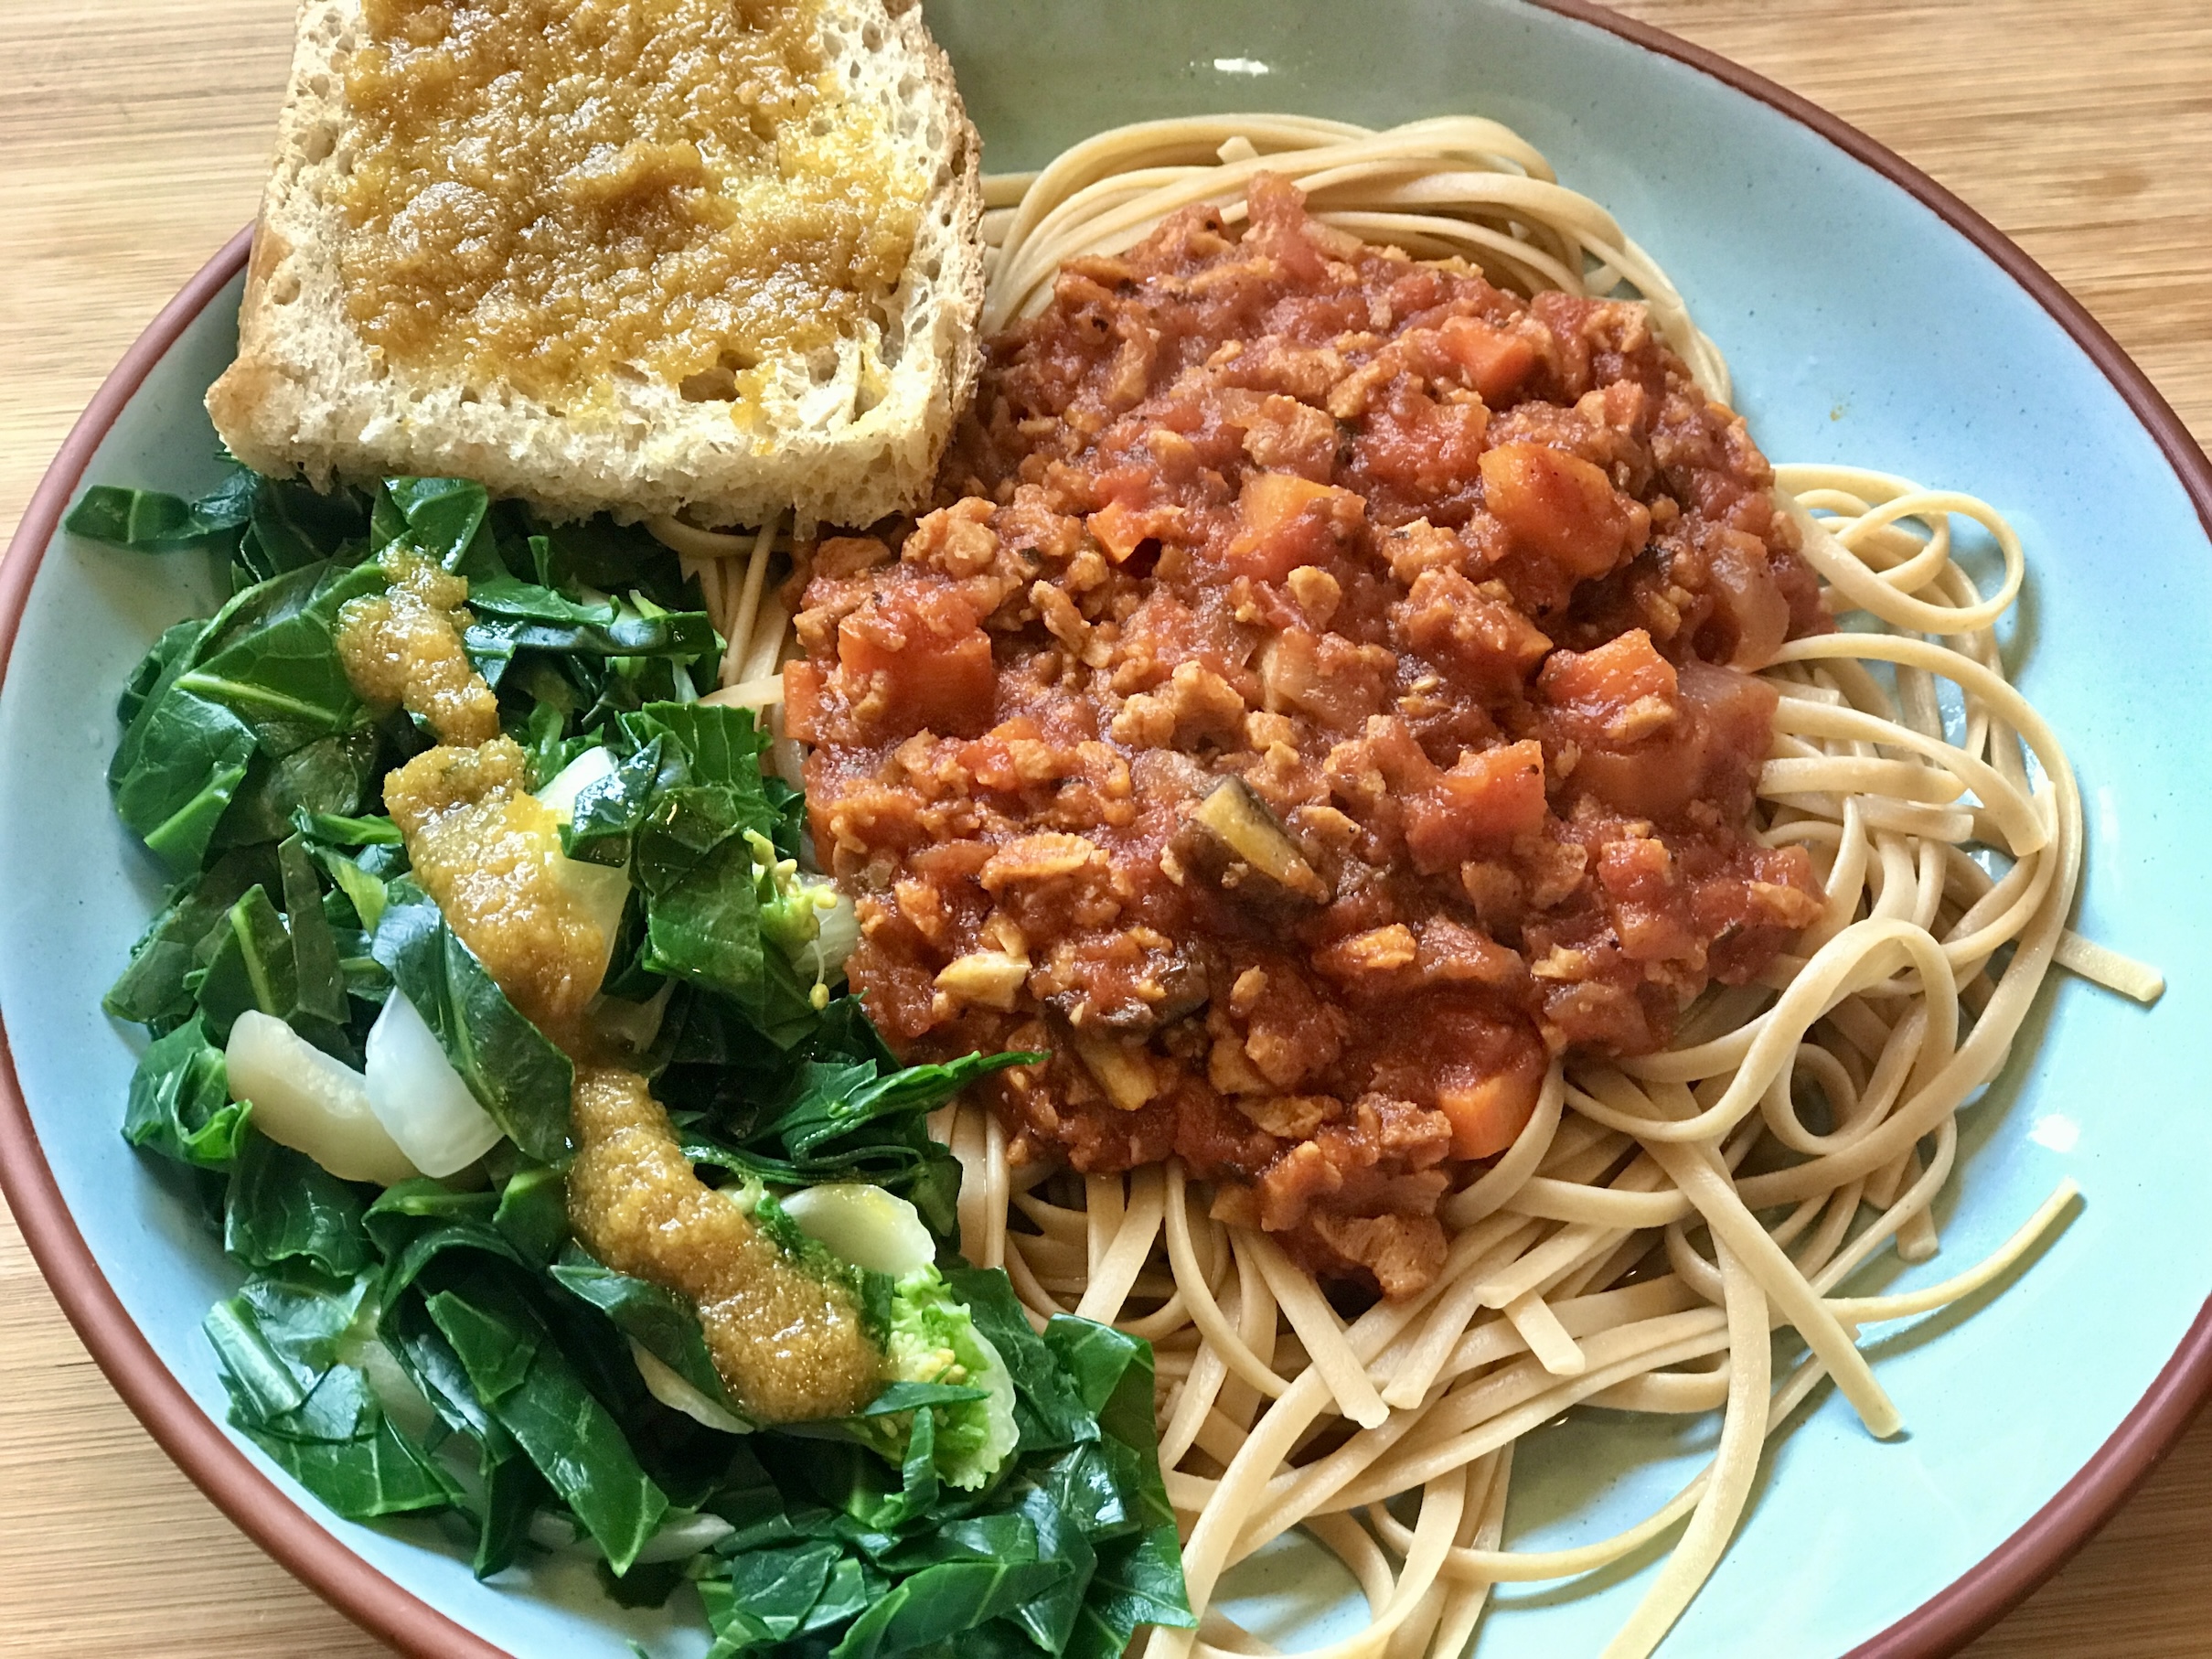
column 544, row 190
column 489, row 852
column 789, row 1345
column 403, row 646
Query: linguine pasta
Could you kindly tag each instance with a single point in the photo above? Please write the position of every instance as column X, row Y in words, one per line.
column 1660, row 1215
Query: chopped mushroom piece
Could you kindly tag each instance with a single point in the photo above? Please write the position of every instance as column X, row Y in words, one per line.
column 1241, row 823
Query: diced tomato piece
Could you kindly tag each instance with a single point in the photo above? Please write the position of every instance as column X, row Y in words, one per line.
column 1496, row 362
column 1284, row 521
column 916, row 659
column 802, row 701
column 1561, row 507
column 1488, row 797
column 1120, row 528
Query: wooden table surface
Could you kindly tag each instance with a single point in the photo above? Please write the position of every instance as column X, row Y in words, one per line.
column 132, row 137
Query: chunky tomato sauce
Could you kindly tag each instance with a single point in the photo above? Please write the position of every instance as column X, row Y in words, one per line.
column 1323, row 698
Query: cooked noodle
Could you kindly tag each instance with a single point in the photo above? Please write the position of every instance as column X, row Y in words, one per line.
column 1616, row 1254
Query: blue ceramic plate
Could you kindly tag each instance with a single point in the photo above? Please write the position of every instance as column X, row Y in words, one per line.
column 1869, row 318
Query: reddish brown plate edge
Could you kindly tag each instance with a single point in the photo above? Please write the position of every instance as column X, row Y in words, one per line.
column 1941, row 1625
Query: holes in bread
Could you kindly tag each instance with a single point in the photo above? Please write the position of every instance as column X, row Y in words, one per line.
column 871, row 37
column 285, row 288
column 717, row 384
column 319, row 142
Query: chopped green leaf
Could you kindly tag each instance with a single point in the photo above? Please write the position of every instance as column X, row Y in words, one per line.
column 283, row 1205
column 513, row 1069
column 530, row 1387
column 180, row 1104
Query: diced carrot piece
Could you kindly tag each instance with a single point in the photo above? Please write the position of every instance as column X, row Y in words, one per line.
column 916, row 659
column 1496, row 362
column 1560, row 507
column 1489, row 1111
column 1487, row 798
column 1286, row 521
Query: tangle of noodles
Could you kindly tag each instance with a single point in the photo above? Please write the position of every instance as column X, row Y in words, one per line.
column 1614, row 1254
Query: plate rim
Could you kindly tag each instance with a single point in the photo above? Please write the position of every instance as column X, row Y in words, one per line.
column 303, row 1544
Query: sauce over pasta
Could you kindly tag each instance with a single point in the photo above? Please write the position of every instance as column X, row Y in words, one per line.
column 1326, row 695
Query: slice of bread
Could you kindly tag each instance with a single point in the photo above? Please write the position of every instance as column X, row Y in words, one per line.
column 843, row 433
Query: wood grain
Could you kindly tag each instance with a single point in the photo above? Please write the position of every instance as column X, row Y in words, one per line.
column 132, row 135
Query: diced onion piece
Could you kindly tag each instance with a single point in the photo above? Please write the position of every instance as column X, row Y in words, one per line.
column 665, row 1384
column 600, row 893
column 868, row 1227
column 418, row 1097
column 1119, row 1068
column 307, row 1100
column 560, row 791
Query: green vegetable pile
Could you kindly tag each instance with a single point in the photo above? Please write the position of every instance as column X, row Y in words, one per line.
column 444, row 1348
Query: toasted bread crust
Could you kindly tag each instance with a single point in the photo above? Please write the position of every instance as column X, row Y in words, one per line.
column 308, row 397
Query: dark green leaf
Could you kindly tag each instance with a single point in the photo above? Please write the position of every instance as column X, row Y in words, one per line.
column 831, row 1100
column 331, row 775
column 515, row 1072
column 321, row 984
column 763, row 1598
column 251, row 966
column 609, row 813
column 180, row 1104
column 445, row 518
column 284, row 678
column 533, row 1212
column 283, row 1204
column 1139, row 1581
column 301, row 1312
column 513, row 1492
column 332, row 829
column 647, row 1584
column 295, row 525
column 1050, row 1618
column 322, row 1427
column 192, row 758
column 161, row 663
column 152, row 989
column 600, row 553
column 529, row 1386
column 150, row 521
column 1047, row 1405
column 939, row 1602
column 911, row 1397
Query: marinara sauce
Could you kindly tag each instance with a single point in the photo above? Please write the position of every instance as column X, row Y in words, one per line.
column 1324, row 696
